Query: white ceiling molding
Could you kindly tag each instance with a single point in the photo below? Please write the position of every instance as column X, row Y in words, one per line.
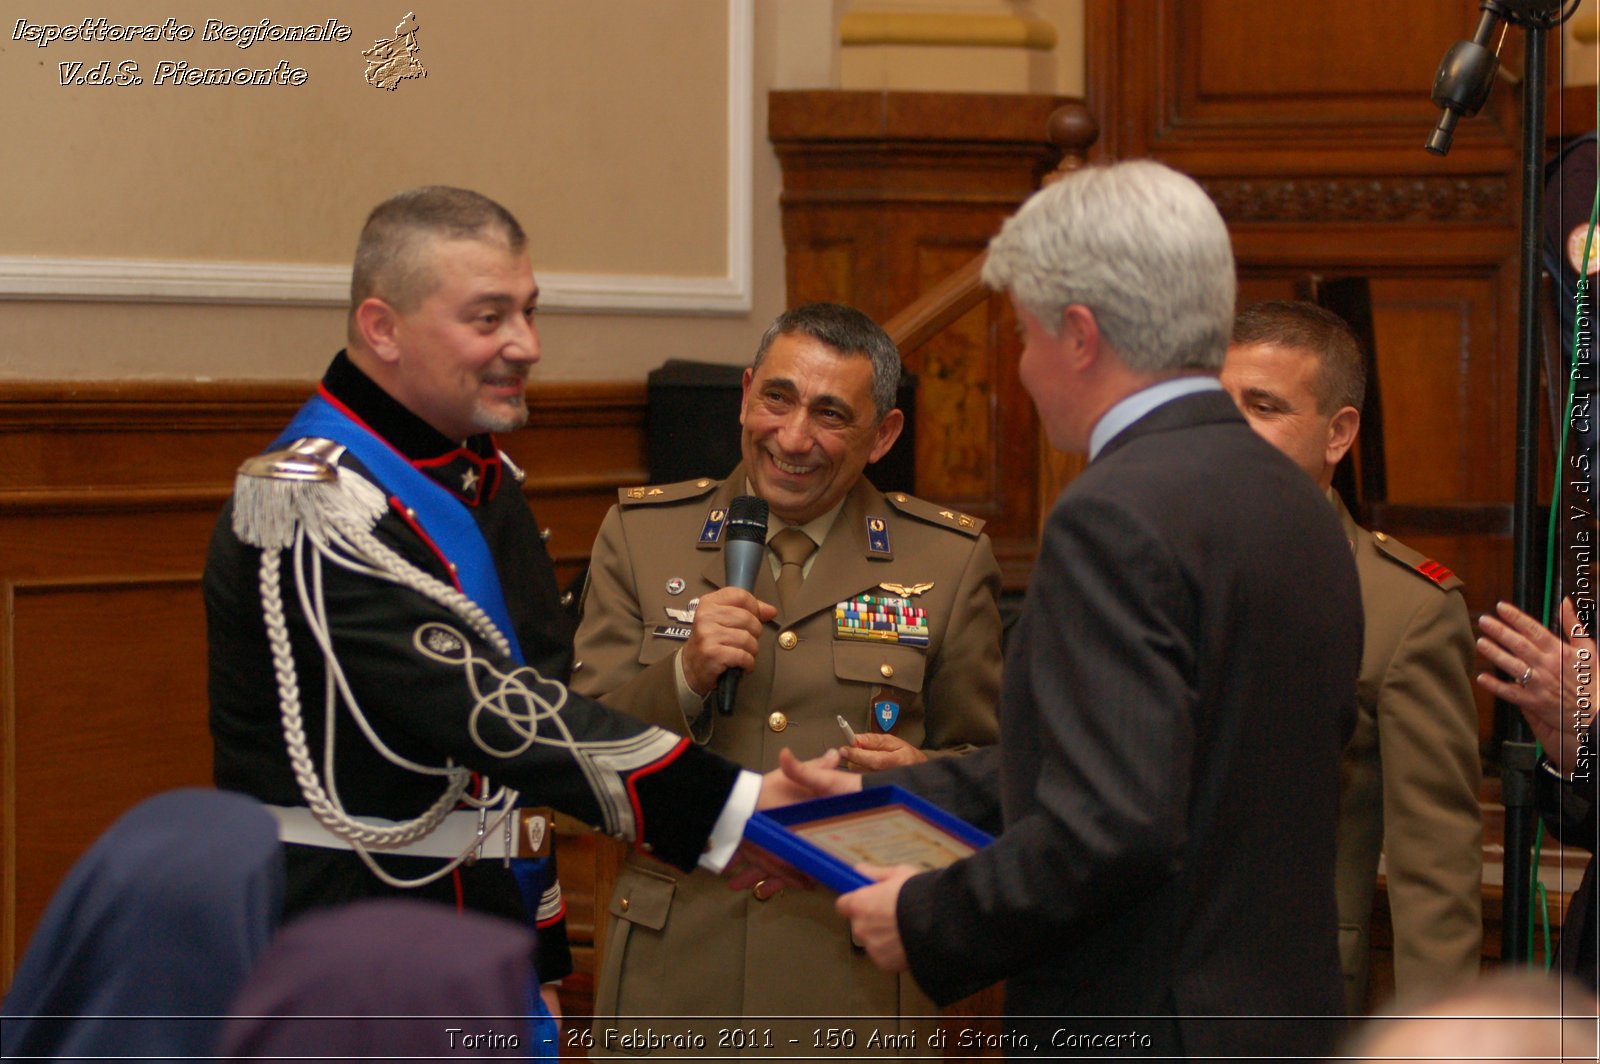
column 26, row 277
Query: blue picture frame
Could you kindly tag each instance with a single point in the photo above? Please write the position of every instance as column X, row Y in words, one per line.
column 772, row 831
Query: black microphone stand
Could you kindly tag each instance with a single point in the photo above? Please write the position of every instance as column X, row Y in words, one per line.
column 1461, row 87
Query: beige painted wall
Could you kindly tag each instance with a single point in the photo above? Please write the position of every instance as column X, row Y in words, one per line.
column 603, row 124
column 1580, row 59
column 968, row 67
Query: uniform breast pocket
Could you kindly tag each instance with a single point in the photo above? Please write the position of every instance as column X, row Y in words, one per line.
column 890, row 679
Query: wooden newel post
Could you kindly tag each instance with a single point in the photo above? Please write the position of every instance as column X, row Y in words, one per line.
column 1073, row 130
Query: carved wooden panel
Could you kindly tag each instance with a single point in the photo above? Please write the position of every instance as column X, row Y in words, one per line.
column 1263, row 88
column 108, row 494
column 1364, row 200
column 1273, row 64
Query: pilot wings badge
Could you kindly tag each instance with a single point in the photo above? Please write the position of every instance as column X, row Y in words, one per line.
column 906, row 590
column 685, row 615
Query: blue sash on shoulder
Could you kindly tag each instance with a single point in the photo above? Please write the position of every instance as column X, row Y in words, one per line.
column 445, row 519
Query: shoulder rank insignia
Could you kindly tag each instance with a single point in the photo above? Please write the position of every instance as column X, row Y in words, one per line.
column 1435, row 572
column 906, row 590
column 1417, row 562
column 711, row 531
column 878, row 536
column 935, row 514
column 677, row 492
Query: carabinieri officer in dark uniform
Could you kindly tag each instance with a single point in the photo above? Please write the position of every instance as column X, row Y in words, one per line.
column 387, row 656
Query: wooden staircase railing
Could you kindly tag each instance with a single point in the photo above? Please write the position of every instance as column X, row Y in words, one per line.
column 1073, row 130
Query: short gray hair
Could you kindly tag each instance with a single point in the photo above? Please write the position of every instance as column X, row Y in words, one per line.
column 1137, row 243
column 393, row 260
column 848, row 332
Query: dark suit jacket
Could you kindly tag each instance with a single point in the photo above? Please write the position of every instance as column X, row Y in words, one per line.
column 1571, row 812
column 1174, row 703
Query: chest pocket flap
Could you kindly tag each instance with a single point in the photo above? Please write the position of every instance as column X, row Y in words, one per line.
column 643, row 897
column 879, row 663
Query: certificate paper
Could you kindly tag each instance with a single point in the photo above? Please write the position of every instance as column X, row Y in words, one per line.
column 889, row 835
column 827, row 837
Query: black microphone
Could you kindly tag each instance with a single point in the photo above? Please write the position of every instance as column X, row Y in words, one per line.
column 1465, row 76
column 1466, row 73
column 743, row 550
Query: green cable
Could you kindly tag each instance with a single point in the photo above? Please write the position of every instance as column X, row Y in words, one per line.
column 1537, row 885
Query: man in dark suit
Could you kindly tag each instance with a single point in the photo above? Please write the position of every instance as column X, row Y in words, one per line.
column 1177, row 691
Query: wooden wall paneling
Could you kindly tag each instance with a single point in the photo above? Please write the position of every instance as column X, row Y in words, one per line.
column 97, row 720
column 108, row 494
column 1258, row 87
column 582, row 443
column 1316, row 65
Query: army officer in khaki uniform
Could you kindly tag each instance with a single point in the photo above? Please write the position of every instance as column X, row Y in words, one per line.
column 659, row 628
column 1409, row 778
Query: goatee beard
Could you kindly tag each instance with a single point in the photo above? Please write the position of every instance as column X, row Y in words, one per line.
column 501, row 418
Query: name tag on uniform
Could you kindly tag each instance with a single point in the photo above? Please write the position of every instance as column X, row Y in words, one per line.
column 672, row 631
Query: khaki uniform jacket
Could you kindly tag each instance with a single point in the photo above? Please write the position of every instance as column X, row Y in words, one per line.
column 687, row 945
column 1409, row 780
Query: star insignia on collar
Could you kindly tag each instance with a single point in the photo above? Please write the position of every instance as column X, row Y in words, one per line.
column 469, row 480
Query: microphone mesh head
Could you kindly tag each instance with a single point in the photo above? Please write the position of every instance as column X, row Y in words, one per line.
column 747, row 518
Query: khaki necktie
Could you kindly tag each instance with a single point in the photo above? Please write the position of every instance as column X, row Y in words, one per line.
column 792, row 547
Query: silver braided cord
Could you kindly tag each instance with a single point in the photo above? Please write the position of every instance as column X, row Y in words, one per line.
column 342, row 534
column 332, row 518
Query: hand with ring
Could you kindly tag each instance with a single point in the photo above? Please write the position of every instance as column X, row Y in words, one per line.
column 1547, row 669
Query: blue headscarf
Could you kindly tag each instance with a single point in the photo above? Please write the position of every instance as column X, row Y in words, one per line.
column 151, row 934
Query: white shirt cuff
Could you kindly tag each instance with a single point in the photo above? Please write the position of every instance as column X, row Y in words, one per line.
column 728, row 831
column 689, row 702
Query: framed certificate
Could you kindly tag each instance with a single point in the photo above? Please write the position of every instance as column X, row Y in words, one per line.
column 825, row 838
